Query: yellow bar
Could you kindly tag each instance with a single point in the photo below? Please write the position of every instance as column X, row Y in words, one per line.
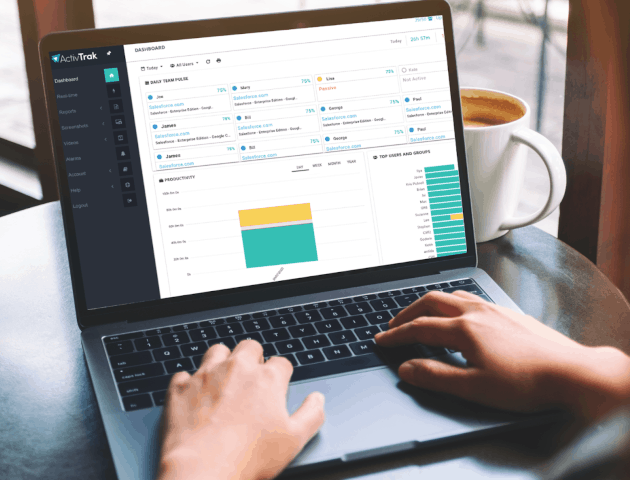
column 265, row 216
column 457, row 216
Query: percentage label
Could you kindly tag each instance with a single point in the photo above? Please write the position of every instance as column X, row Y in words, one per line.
column 310, row 110
column 414, row 39
column 314, row 140
column 389, row 70
column 398, row 132
column 230, row 149
column 227, row 118
column 221, row 89
column 393, row 102
column 306, row 80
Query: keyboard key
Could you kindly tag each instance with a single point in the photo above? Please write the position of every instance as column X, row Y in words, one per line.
column 364, row 298
column 256, row 325
column 194, row 349
column 140, row 371
column 147, row 343
column 174, row 366
column 406, row 300
column 396, row 311
column 384, row 327
column 378, row 317
column 459, row 283
column 302, row 330
column 407, row 291
column 355, row 322
column 474, row 289
column 307, row 317
column 361, row 348
column 125, row 336
column 201, row 334
column 341, row 301
column 213, row 322
column 289, row 346
column 120, row 347
column 188, row 326
column 238, row 318
column 268, row 313
column 144, row 386
column 276, row 335
column 334, row 353
column 437, row 286
column 291, row 358
column 228, row 342
column 383, row 304
column 317, row 341
column 166, row 353
column 269, row 350
column 290, row 310
column 197, row 359
column 131, row 359
column 338, row 338
column 158, row 331
column 312, row 356
column 179, row 338
column 333, row 312
column 231, row 329
column 393, row 293
column 159, row 397
column 285, row 320
column 359, row 308
column 366, row 333
column 315, row 306
column 345, row 365
column 137, row 402
column 249, row 336
column 328, row 326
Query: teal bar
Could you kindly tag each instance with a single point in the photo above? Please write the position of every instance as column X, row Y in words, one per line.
column 443, row 186
column 439, row 193
column 445, row 211
column 451, row 249
column 279, row 245
column 436, row 206
column 449, row 253
column 440, row 218
column 459, row 230
column 445, row 198
column 454, row 241
column 439, row 169
column 439, row 238
column 446, row 174
column 454, row 223
column 438, row 181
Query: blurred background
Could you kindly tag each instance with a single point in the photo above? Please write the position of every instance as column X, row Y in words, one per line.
column 517, row 46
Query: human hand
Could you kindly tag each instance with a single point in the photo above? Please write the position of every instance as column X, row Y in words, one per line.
column 229, row 420
column 514, row 362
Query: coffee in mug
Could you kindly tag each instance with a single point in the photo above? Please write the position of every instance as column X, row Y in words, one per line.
column 497, row 134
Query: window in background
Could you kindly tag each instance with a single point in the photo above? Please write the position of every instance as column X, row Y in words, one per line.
column 16, row 122
column 498, row 44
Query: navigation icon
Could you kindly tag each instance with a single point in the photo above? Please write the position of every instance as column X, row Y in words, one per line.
column 122, row 153
column 113, row 90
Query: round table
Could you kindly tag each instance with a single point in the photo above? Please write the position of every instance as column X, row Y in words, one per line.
column 51, row 426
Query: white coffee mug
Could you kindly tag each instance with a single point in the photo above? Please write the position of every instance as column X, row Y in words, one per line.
column 497, row 157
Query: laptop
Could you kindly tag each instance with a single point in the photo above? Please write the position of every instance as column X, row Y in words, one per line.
column 297, row 179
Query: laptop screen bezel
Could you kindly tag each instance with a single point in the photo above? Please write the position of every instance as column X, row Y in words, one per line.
column 84, row 39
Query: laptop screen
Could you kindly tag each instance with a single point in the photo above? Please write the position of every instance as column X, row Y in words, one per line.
column 207, row 164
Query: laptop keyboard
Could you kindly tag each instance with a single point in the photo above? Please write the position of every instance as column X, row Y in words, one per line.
column 319, row 339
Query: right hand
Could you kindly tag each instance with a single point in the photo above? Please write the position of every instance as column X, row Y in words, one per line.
column 514, row 362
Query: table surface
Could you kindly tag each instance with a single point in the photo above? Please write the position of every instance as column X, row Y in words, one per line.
column 51, row 426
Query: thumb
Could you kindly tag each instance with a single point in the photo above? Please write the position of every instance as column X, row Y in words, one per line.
column 309, row 417
column 439, row 376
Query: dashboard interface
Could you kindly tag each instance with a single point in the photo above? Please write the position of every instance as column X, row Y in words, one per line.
column 207, row 164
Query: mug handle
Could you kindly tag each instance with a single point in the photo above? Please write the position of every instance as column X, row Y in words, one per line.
column 557, row 175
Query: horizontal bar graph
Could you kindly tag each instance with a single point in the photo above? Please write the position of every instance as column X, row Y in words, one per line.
column 278, row 235
column 446, row 209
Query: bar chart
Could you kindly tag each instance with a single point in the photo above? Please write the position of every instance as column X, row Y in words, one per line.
column 446, row 209
column 278, row 235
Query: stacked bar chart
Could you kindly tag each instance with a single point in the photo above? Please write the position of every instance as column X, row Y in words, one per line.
column 278, row 235
column 446, row 209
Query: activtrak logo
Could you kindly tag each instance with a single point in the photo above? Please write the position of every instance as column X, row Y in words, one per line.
column 79, row 57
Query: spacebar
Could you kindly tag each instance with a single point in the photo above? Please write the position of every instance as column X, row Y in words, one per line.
column 306, row 372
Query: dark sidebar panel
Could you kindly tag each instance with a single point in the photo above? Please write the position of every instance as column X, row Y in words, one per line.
column 102, row 162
